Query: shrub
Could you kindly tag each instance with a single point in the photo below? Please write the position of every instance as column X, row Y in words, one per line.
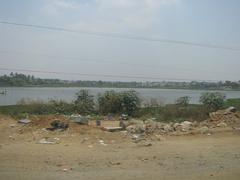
column 109, row 102
column 60, row 106
column 212, row 100
column 123, row 102
column 84, row 103
column 183, row 101
column 130, row 102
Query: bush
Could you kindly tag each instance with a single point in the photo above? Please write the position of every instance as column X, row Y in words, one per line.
column 84, row 103
column 60, row 106
column 126, row 102
column 232, row 102
column 174, row 113
column 130, row 102
column 183, row 101
column 212, row 100
column 109, row 102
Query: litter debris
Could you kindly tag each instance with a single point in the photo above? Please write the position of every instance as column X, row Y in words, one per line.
column 12, row 125
column 112, row 129
column 102, row 142
column 58, row 125
column 114, row 163
column 98, row 123
column 11, row 137
column 24, row 121
column 49, row 141
column 123, row 117
column 83, row 120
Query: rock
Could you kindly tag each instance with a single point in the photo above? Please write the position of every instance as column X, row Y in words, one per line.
column 177, row 127
column 167, row 128
column 80, row 119
column 204, row 130
column 186, row 126
column 12, row 125
column 231, row 110
column 136, row 129
column 24, row 121
column 112, row 129
column 222, row 124
column 145, row 144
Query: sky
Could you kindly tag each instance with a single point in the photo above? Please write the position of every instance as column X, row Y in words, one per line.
column 208, row 22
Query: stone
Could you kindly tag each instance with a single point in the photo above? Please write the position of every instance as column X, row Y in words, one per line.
column 204, row 130
column 167, row 128
column 24, row 121
column 186, row 126
column 222, row 124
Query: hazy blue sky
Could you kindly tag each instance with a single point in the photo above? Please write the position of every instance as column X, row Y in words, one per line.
column 203, row 21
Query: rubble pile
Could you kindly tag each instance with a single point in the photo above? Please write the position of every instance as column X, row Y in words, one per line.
column 224, row 117
column 149, row 127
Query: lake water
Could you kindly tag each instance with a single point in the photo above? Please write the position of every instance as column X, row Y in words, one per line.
column 15, row 94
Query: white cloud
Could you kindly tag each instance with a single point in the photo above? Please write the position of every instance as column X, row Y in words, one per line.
column 55, row 7
column 110, row 14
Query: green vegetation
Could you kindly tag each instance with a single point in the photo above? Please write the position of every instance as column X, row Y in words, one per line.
column 127, row 102
column 21, row 80
column 232, row 102
column 183, row 101
column 174, row 113
column 213, row 100
column 84, row 104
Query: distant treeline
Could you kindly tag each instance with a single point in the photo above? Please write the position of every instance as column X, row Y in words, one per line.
column 22, row 80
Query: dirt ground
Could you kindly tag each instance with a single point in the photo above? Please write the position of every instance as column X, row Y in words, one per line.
column 89, row 153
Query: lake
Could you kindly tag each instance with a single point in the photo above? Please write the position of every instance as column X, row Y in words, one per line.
column 164, row 96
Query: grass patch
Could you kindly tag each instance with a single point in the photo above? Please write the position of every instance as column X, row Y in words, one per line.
column 174, row 113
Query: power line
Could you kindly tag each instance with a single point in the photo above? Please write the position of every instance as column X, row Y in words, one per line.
column 122, row 36
column 100, row 75
column 108, row 62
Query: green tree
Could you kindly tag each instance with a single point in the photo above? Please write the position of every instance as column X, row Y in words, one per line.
column 84, row 103
column 109, row 102
column 212, row 100
column 130, row 102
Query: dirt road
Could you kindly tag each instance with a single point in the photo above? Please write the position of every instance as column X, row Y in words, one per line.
column 81, row 155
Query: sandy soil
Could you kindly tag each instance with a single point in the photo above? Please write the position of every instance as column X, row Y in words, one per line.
column 81, row 155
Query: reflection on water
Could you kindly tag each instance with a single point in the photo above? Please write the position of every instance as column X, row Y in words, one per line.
column 14, row 95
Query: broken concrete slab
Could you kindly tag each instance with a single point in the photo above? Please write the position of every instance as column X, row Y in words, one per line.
column 112, row 129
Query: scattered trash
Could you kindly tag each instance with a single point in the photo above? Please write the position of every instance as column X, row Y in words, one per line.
column 112, row 129
column 82, row 120
column 98, row 123
column 124, row 117
column 11, row 137
column 102, row 142
column 58, row 125
column 12, row 125
column 49, row 141
column 24, row 121
column 145, row 144
column 64, row 169
column 114, row 163
column 84, row 140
